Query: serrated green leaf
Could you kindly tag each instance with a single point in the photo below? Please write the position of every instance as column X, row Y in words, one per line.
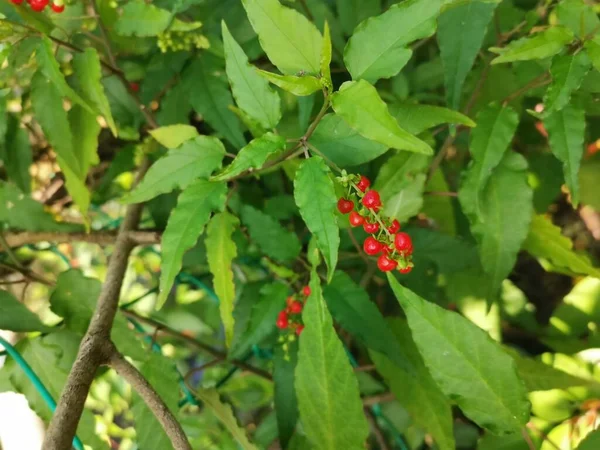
column 327, row 389
column 343, row 145
column 461, row 30
column 326, row 51
column 274, row 240
column 378, row 46
column 286, row 403
column 251, row 91
column 468, row 366
column 360, row 105
column 300, row 86
column 545, row 240
column 578, row 16
column 252, row 156
column 566, row 133
column 194, row 159
column 172, row 136
column 289, row 39
column 592, row 47
column 16, row 155
column 316, row 199
column 591, row 441
column 567, row 73
column 223, row 412
column 539, row 46
column 418, row 393
column 15, row 316
column 416, row 118
column 220, row 252
column 186, row 224
column 142, row 19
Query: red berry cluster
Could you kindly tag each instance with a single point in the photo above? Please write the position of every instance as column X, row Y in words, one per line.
column 290, row 317
column 395, row 247
column 39, row 5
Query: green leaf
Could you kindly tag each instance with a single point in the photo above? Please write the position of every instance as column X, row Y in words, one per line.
column 326, row 51
column 360, row 105
column 378, row 47
column 353, row 12
column 251, row 92
column 316, row 199
column 343, row 145
column 467, row 364
column 417, row 118
column 223, row 412
column 539, row 46
column 186, row 224
column 579, row 309
column 545, row 240
column 459, row 43
column 172, row 136
column 297, row 85
column 578, row 16
column 274, row 240
column 286, row 403
column 253, row 155
column 142, row 19
column 327, row 389
column 194, row 159
column 592, row 47
column 418, row 393
column 501, row 225
column 15, row 316
column 591, row 441
column 356, row 313
column 567, row 73
column 16, row 155
column 566, row 134
column 221, row 251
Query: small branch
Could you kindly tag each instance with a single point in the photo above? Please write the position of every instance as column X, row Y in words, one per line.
column 439, row 157
column 539, row 81
column 187, row 376
column 376, row 429
column 152, row 400
column 104, row 33
column 528, row 440
column 379, row 398
column 95, row 237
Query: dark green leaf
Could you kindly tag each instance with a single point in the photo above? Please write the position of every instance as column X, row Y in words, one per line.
column 286, row 403
column 567, row 73
column 591, row 441
column 353, row 12
column 578, row 16
column 15, row 316
column 416, row 118
column 142, row 19
column 15, row 153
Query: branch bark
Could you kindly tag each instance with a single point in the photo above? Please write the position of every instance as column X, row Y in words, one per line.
column 95, row 237
column 152, row 400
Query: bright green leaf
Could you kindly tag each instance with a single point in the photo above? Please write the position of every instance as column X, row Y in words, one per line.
column 539, row 46
column 578, row 16
column 300, row 86
column 172, row 136
column 567, row 73
column 15, row 316
column 142, row 19
column 592, row 47
column 326, row 57
column 416, row 118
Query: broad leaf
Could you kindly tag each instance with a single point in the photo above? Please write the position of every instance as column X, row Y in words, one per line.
column 360, row 105
column 545, row 240
column 300, row 86
column 592, row 48
column 194, row 159
column 274, row 240
column 251, row 92
column 539, row 46
column 185, row 225
column 15, row 316
column 418, row 393
column 353, row 12
column 578, row 16
column 469, row 367
column 567, row 73
column 142, row 19
column 378, row 46
column 289, row 39
column 591, row 441
column 326, row 54
column 16, row 155
column 172, row 136
column 286, row 403
column 327, row 389
column 220, row 252
column 459, row 44
column 316, row 199
column 416, row 118
column 566, row 133
column 253, row 155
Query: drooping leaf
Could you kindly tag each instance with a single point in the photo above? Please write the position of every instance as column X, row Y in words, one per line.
column 416, row 118
column 274, row 240
column 459, row 43
column 567, row 73
column 545, row 240
column 327, row 389
column 316, row 199
column 418, row 393
column 15, row 316
column 251, row 92
column 172, row 136
column 539, row 46
column 16, row 155
column 360, row 105
column 194, row 159
column 449, row 254
column 286, row 403
column 289, row 39
column 466, row 363
column 378, row 46
column 353, row 12
column 142, row 19
column 578, row 16
column 253, row 155
column 297, row 85
column 566, row 133
column 185, row 225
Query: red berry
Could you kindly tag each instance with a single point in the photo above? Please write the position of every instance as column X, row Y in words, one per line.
column 403, row 243
column 386, row 264
column 299, row 329
column 372, row 200
column 306, row 290
column 38, row 5
column 371, row 227
column 394, row 227
column 356, row 219
column 372, row 246
column 405, row 270
column 57, row 8
column 296, row 307
column 345, row 206
column 17, row 2
column 363, row 184
column 282, row 320
column 386, row 250
column 135, row 87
